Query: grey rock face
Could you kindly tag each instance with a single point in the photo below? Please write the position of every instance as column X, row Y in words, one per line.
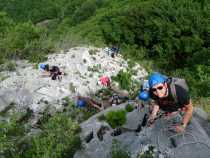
column 19, row 97
column 193, row 143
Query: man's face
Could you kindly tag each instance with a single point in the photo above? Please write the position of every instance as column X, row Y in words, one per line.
column 160, row 90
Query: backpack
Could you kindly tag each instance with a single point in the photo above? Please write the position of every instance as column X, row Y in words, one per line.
column 177, row 81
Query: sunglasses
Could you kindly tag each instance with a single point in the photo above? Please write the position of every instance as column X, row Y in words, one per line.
column 158, row 88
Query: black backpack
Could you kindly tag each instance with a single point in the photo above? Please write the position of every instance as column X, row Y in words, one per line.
column 177, row 81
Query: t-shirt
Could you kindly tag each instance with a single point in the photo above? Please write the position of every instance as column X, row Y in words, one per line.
column 55, row 69
column 168, row 104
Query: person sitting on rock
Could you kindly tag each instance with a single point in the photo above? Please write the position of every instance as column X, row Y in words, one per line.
column 113, row 99
column 100, row 105
column 88, row 102
column 53, row 71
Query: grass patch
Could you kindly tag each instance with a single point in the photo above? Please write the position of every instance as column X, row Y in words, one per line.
column 94, row 68
column 3, row 77
column 116, row 118
column 149, row 152
column 119, row 151
column 129, row 108
column 60, row 138
column 124, row 79
column 203, row 102
column 8, row 66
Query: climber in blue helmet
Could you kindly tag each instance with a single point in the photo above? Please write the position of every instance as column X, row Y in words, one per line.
column 81, row 103
column 144, row 91
column 171, row 96
column 51, row 71
column 143, row 95
column 88, row 102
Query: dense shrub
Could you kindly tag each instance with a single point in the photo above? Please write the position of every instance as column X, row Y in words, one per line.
column 10, row 137
column 60, row 138
column 119, row 151
column 8, row 66
column 86, row 10
column 174, row 34
column 116, row 118
column 124, row 79
column 5, row 24
column 129, row 108
column 19, row 37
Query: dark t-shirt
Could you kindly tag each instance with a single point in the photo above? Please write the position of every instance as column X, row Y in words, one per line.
column 168, row 104
column 54, row 72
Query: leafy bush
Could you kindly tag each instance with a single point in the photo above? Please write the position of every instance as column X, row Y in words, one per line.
column 60, row 138
column 8, row 66
column 86, row 10
column 77, row 114
column 119, row 151
column 116, row 118
column 183, row 43
column 10, row 137
column 5, row 23
column 129, row 108
column 19, row 38
column 124, row 79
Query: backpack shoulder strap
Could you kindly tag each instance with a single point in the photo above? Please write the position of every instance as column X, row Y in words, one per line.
column 179, row 82
column 173, row 89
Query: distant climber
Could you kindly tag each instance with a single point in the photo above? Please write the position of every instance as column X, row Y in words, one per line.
column 112, row 51
column 88, row 102
column 114, row 100
column 171, row 96
column 106, row 82
column 117, row 97
column 51, row 71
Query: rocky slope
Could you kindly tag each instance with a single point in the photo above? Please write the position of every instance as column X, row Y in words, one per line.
column 26, row 88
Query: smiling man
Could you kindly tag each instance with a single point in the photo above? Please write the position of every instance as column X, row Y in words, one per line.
column 171, row 96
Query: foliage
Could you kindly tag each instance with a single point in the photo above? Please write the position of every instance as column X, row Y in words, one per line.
column 77, row 114
column 149, row 153
column 167, row 35
column 119, row 151
column 203, row 102
column 11, row 134
column 5, row 23
column 86, row 10
column 8, row 66
column 116, row 118
column 24, row 41
column 129, row 108
column 60, row 138
column 124, row 79
column 173, row 35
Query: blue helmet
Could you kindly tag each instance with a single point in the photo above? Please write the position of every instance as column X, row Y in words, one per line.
column 156, row 78
column 42, row 66
column 143, row 95
column 81, row 103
